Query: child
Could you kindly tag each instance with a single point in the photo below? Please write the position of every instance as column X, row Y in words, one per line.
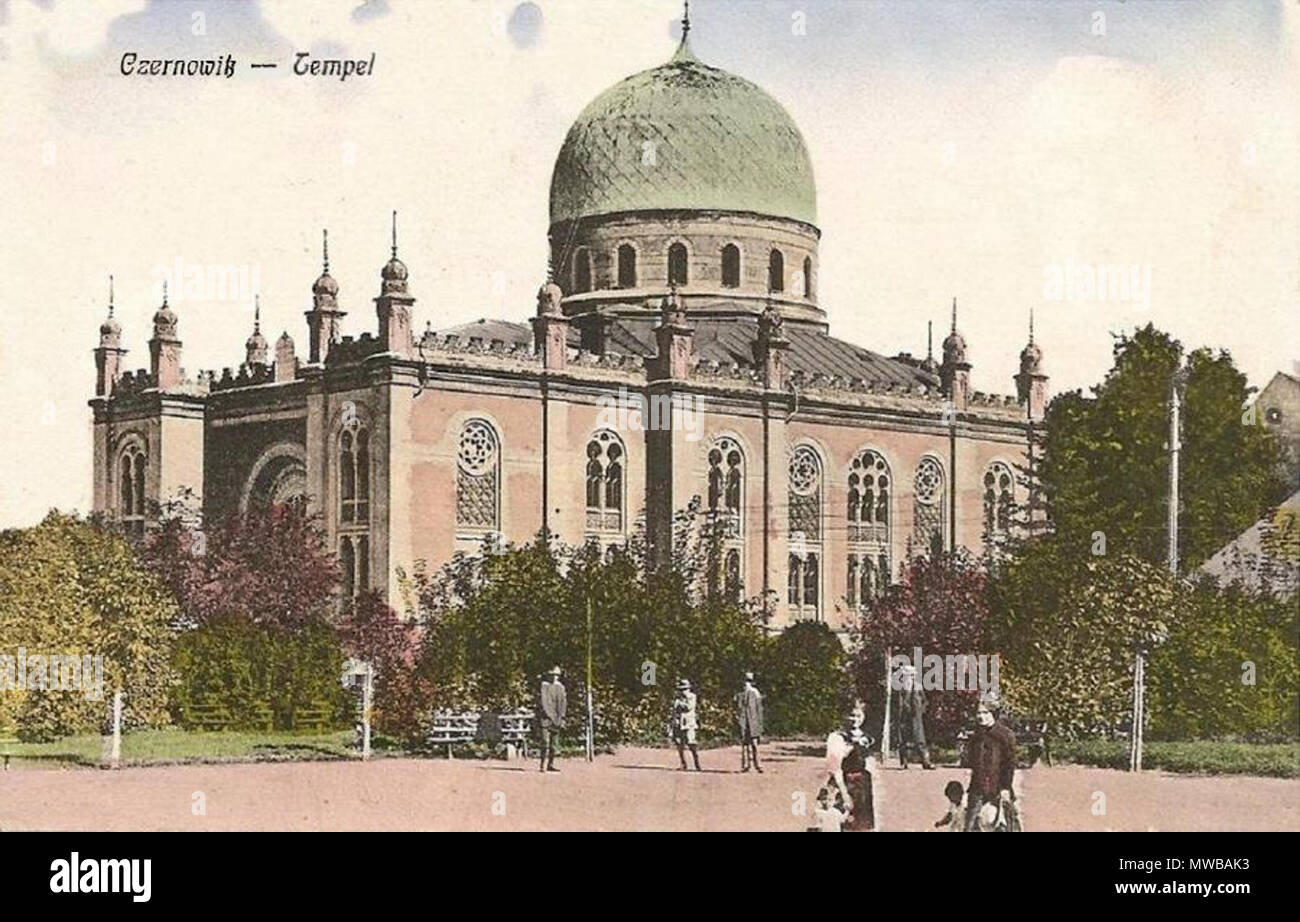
column 955, row 817
column 830, row 818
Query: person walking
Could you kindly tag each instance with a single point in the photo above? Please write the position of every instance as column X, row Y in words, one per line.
column 911, row 716
column 749, row 714
column 992, row 752
column 685, row 722
column 553, row 703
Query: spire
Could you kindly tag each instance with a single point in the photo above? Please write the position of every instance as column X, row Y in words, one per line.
column 954, row 313
column 325, row 250
column 683, row 54
column 1031, row 326
column 257, row 313
column 164, row 304
column 110, row 295
column 394, row 233
column 929, row 340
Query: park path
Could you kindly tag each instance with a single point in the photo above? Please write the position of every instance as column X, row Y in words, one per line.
column 633, row 789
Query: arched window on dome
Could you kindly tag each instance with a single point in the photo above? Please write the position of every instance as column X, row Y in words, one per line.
column 627, row 266
column 807, row 277
column 582, row 270
column 478, row 480
column 677, row 264
column 776, row 271
column 731, row 266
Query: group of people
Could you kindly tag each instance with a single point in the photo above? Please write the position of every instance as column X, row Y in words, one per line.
column 847, row 800
column 683, row 725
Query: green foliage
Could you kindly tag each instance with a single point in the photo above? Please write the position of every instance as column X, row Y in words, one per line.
column 1067, row 657
column 68, row 587
column 1200, row 757
column 1105, row 466
column 1228, row 668
column 807, row 686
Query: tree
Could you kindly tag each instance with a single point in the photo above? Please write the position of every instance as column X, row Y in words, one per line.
column 1105, row 465
column 70, row 588
column 807, row 683
column 939, row 606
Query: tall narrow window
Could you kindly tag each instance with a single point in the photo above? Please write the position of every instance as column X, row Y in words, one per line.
column 626, row 266
column 804, row 495
column 731, row 266
column 348, row 564
column 870, row 485
column 725, row 514
column 734, row 587
column 131, row 491
column 776, row 271
column 606, row 500
column 354, row 509
column 999, row 502
column 478, row 477
column 677, row 264
column 582, row 271
column 928, row 512
column 807, row 277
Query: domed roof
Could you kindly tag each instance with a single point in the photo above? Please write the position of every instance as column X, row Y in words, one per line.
column 684, row 135
column 325, row 285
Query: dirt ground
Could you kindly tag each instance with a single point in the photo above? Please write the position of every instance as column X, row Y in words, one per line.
column 634, row 789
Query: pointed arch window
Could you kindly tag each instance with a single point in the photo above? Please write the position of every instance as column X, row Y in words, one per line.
column 626, row 266
column 606, row 496
column 726, row 550
column 804, row 494
column 582, row 270
column 869, row 515
column 999, row 501
column 928, row 508
column 807, row 277
column 731, row 266
column 776, row 271
column 478, row 480
column 354, row 476
column 131, row 490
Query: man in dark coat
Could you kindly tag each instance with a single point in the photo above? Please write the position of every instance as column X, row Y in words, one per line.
column 749, row 715
column 992, row 751
column 911, row 716
column 550, row 713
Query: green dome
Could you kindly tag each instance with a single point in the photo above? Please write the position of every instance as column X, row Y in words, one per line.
column 719, row 143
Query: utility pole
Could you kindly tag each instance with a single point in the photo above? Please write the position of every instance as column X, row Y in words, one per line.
column 591, row 725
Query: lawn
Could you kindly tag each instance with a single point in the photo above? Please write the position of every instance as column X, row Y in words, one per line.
column 175, row 746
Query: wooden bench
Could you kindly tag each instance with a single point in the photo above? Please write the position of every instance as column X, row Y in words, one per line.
column 514, row 728
column 320, row 716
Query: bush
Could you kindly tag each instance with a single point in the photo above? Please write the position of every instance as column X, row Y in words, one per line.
column 806, row 685
column 1202, row 757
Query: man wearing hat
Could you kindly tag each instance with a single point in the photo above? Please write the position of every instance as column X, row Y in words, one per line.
column 911, row 716
column 685, row 723
column 553, row 703
column 749, row 714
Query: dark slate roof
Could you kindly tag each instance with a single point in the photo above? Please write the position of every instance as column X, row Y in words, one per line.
column 730, row 340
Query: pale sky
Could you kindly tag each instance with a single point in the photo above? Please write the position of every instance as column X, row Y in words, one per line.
column 959, row 149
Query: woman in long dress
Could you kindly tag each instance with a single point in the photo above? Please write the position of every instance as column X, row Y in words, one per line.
column 852, row 769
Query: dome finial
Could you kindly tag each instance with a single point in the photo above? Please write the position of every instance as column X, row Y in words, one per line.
column 954, row 313
column 110, row 295
column 929, row 340
column 394, row 233
column 1031, row 326
column 164, row 304
column 325, row 249
column 257, row 313
column 683, row 53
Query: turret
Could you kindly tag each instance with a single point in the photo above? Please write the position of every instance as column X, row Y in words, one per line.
column 165, row 348
column 324, row 318
column 255, row 349
column 108, row 355
column 1031, row 383
column 394, row 303
column 551, row 327
column 954, row 373
column 674, row 338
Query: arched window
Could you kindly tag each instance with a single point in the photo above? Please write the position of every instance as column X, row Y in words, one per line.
column 725, row 515
column 606, row 499
column 626, row 266
column 928, row 511
column 870, row 488
column 131, row 490
column 478, row 481
column 731, row 266
column 775, row 271
column 677, row 264
column 807, row 277
column 348, row 564
column 804, row 493
column 354, row 477
column 582, row 270
column 999, row 501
